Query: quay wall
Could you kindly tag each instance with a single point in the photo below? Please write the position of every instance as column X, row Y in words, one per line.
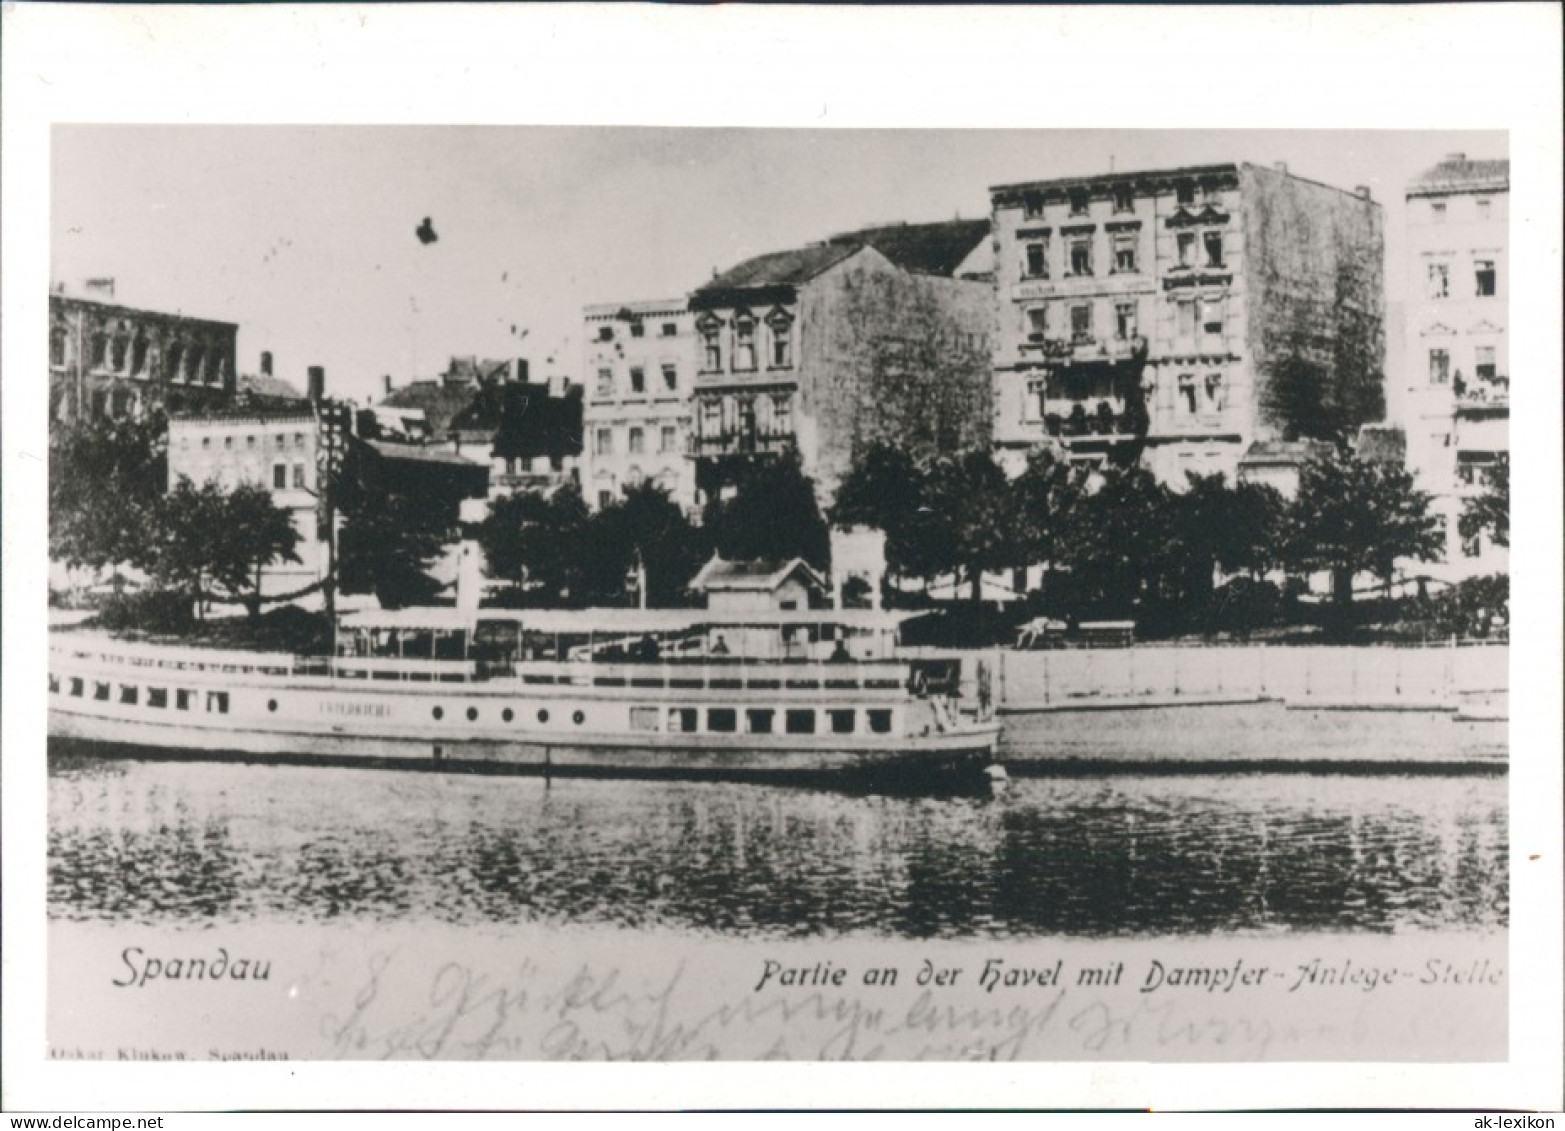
column 1441, row 677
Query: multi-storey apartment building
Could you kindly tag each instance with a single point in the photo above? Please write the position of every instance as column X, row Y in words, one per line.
column 1181, row 316
column 875, row 336
column 639, row 364
column 107, row 360
column 1451, row 391
column 274, row 447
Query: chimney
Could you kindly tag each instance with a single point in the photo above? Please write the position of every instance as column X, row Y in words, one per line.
column 1281, row 167
column 386, row 384
column 104, row 287
column 1362, row 192
column 317, row 383
column 522, row 370
column 1456, row 157
column 266, row 363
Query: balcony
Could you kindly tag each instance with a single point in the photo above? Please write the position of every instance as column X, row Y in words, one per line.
column 1482, row 395
column 740, row 443
column 1110, row 420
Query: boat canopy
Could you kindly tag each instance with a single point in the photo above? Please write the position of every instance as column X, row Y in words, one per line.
column 623, row 621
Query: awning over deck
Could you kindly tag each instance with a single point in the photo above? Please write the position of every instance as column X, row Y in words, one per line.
column 583, row 622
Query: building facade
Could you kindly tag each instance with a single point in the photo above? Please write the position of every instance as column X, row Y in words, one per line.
column 273, row 447
column 111, row 361
column 1450, row 392
column 638, row 368
column 1178, row 317
column 876, row 336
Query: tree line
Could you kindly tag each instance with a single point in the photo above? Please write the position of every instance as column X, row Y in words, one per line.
column 1111, row 542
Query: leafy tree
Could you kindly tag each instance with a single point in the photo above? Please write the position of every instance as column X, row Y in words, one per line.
column 386, row 546
column 209, row 543
column 1120, row 541
column 885, row 489
column 1233, row 528
column 773, row 515
column 1490, row 512
column 105, row 477
column 1044, row 498
column 1352, row 516
column 535, row 541
column 642, row 534
column 966, row 525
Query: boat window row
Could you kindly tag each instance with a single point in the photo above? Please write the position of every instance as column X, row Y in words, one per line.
column 134, row 661
column 765, row 720
column 131, row 695
column 728, row 682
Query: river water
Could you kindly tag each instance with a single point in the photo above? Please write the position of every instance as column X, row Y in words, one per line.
column 1121, row 854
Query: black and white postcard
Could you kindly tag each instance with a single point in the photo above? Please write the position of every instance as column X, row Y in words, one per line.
column 569, row 542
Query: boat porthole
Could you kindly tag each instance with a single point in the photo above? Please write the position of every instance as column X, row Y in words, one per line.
column 271, row 704
column 578, row 718
column 438, row 712
column 507, row 714
column 472, row 714
column 543, row 716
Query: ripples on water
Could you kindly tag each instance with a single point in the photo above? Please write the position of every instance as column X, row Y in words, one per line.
column 161, row 841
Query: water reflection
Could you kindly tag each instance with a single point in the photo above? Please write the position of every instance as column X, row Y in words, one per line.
column 151, row 842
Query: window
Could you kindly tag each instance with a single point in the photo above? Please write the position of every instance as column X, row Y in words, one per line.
column 1124, row 199
column 1125, row 253
column 603, row 442
column 643, row 718
column 1483, row 363
column 1216, row 396
column 217, row 702
column 1032, row 205
column 76, row 686
column 1185, row 192
column 670, row 377
column 118, row 350
column 605, row 333
column 1184, row 318
column 800, row 721
column 782, row 413
column 1081, row 322
column 1212, row 317
column 206, row 442
column 638, row 379
column 298, row 439
column 722, row 720
column 1037, row 323
column 182, row 699
column 669, row 330
column 637, row 330
column 298, row 477
column 744, row 343
column 1439, row 285
column 57, row 347
column 279, row 476
column 138, row 355
column 1437, row 211
column 1187, row 392
column 782, row 343
column 668, row 440
column 605, row 382
column 1184, row 242
column 683, row 719
column 1078, row 202
column 198, row 370
column 1081, row 255
column 250, row 442
column 841, row 720
column 1439, row 367
column 712, row 345
column 711, row 417
column 100, row 692
column 1124, row 320
column 128, row 694
column 174, row 363
column 1483, row 276
column 157, row 697
column 1212, row 242
column 759, row 720
column 637, row 442
column 879, row 720
column 1032, row 401
column 1481, row 206
column 1037, row 260
column 605, row 498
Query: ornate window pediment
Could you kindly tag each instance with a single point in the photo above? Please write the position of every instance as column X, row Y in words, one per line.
column 1485, row 327
column 1439, row 330
column 1185, row 217
column 708, row 323
column 779, row 317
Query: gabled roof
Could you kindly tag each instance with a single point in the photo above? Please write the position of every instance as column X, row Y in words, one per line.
column 925, row 249
column 265, row 385
column 524, row 420
column 439, row 402
column 722, row 576
column 1457, row 174
column 1283, row 453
